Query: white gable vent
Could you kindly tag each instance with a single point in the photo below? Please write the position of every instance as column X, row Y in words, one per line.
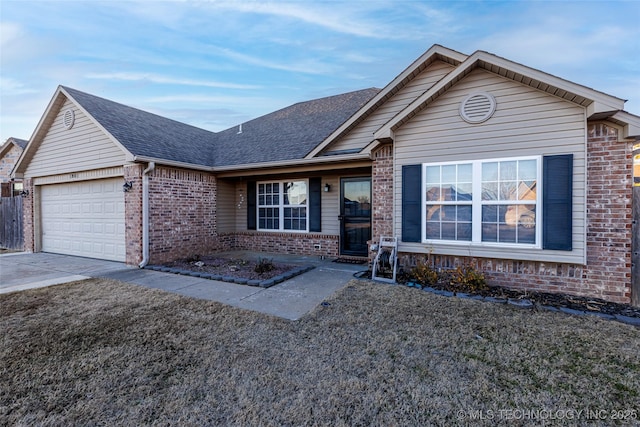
column 68, row 119
column 477, row 107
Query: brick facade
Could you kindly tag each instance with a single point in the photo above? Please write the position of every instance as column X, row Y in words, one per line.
column 28, row 225
column 288, row 243
column 607, row 274
column 382, row 193
column 133, row 213
column 609, row 210
column 8, row 161
column 182, row 211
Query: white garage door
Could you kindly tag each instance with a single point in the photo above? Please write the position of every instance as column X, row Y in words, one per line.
column 84, row 218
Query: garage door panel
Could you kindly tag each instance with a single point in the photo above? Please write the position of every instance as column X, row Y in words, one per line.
column 84, row 218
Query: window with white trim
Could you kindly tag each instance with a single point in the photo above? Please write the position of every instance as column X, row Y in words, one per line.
column 483, row 201
column 282, row 206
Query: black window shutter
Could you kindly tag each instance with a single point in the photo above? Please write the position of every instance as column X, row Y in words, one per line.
column 252, row 200
column 411, row 203
column 315, row 204
column 557, row 202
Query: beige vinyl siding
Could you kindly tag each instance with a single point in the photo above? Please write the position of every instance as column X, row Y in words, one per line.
column 240, row 208
column 226, row 207
column 330, row 205
column 83, row 147
column 362, row 134
column 526, row 122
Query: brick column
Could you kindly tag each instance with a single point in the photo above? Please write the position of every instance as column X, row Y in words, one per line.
column 382, row 193
column 28, row 219
column 609, row 199
column 133, row 214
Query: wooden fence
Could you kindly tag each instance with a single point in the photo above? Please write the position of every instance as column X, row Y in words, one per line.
column 11, row 233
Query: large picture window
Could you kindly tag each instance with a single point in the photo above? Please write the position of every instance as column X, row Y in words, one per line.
column 449, row 201
column 282, row 205
column 482, row 201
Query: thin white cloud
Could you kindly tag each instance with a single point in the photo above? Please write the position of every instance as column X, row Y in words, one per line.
column 9, row 32
column 211, row 100
column 343, row 20
column 155, row 78
column 309, row 66
column 12, row 87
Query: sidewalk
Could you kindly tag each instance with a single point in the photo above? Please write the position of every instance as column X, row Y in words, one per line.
column 290, row 299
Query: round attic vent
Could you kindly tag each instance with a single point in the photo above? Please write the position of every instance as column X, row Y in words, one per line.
column 477, row 107
column 68, row 119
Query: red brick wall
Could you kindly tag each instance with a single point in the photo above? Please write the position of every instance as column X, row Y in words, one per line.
column 133, row 214
column 27, row 217
column 288, row 243
column 607, row 274
column 8, row 161
column 382, row 193
column 182, row 210
column 609, row 198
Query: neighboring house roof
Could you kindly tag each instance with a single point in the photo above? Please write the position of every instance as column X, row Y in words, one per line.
column 11, row 142
column 289, row 133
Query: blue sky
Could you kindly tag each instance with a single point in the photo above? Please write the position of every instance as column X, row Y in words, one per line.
column 214, row 64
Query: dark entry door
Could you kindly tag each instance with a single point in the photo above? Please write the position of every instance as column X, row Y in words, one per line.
column 355, row 215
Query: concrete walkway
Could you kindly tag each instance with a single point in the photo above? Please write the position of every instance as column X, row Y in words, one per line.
column 290, row 299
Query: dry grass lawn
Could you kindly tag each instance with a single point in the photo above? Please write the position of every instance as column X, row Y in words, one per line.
column 100, row 352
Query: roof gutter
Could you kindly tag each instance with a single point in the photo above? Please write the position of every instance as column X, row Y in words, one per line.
column 294, row 162
column 157, row 160
column 258, row 166
column 145, row 214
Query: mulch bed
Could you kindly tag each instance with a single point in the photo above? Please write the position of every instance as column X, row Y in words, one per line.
column 263, row 272
column 562, row 302
column 232, row 267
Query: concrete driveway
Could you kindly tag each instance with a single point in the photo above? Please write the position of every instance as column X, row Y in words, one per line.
column 290, row 299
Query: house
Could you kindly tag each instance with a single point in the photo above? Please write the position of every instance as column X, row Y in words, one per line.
column 529, row 177
column 10, row 152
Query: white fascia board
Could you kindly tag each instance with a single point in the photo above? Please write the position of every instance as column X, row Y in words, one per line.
column 608, row 102
column 631, row 127
column 18, row 168
column 173, row 163
column 113, row 139
column 36, row 137
column 294, row 162
column 433, row 51
column 601, row 101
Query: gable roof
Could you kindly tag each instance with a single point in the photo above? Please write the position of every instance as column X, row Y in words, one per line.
column 436, row 52
column 146, row 134
column 299, row 133
column 11, row 142
column 286, row 134
column 289, row 133
column 599, row 105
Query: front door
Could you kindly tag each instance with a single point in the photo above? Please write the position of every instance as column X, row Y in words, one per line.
column 355, row 215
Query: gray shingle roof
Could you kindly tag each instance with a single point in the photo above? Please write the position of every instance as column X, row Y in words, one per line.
column 289, row 133
column 147, row 134
column 20, row 142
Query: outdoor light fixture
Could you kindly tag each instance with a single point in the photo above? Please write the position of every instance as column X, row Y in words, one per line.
column 327, row 188
column 127, row 186
column 24, row 193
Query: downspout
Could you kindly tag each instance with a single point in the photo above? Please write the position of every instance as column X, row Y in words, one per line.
column 145, row 214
